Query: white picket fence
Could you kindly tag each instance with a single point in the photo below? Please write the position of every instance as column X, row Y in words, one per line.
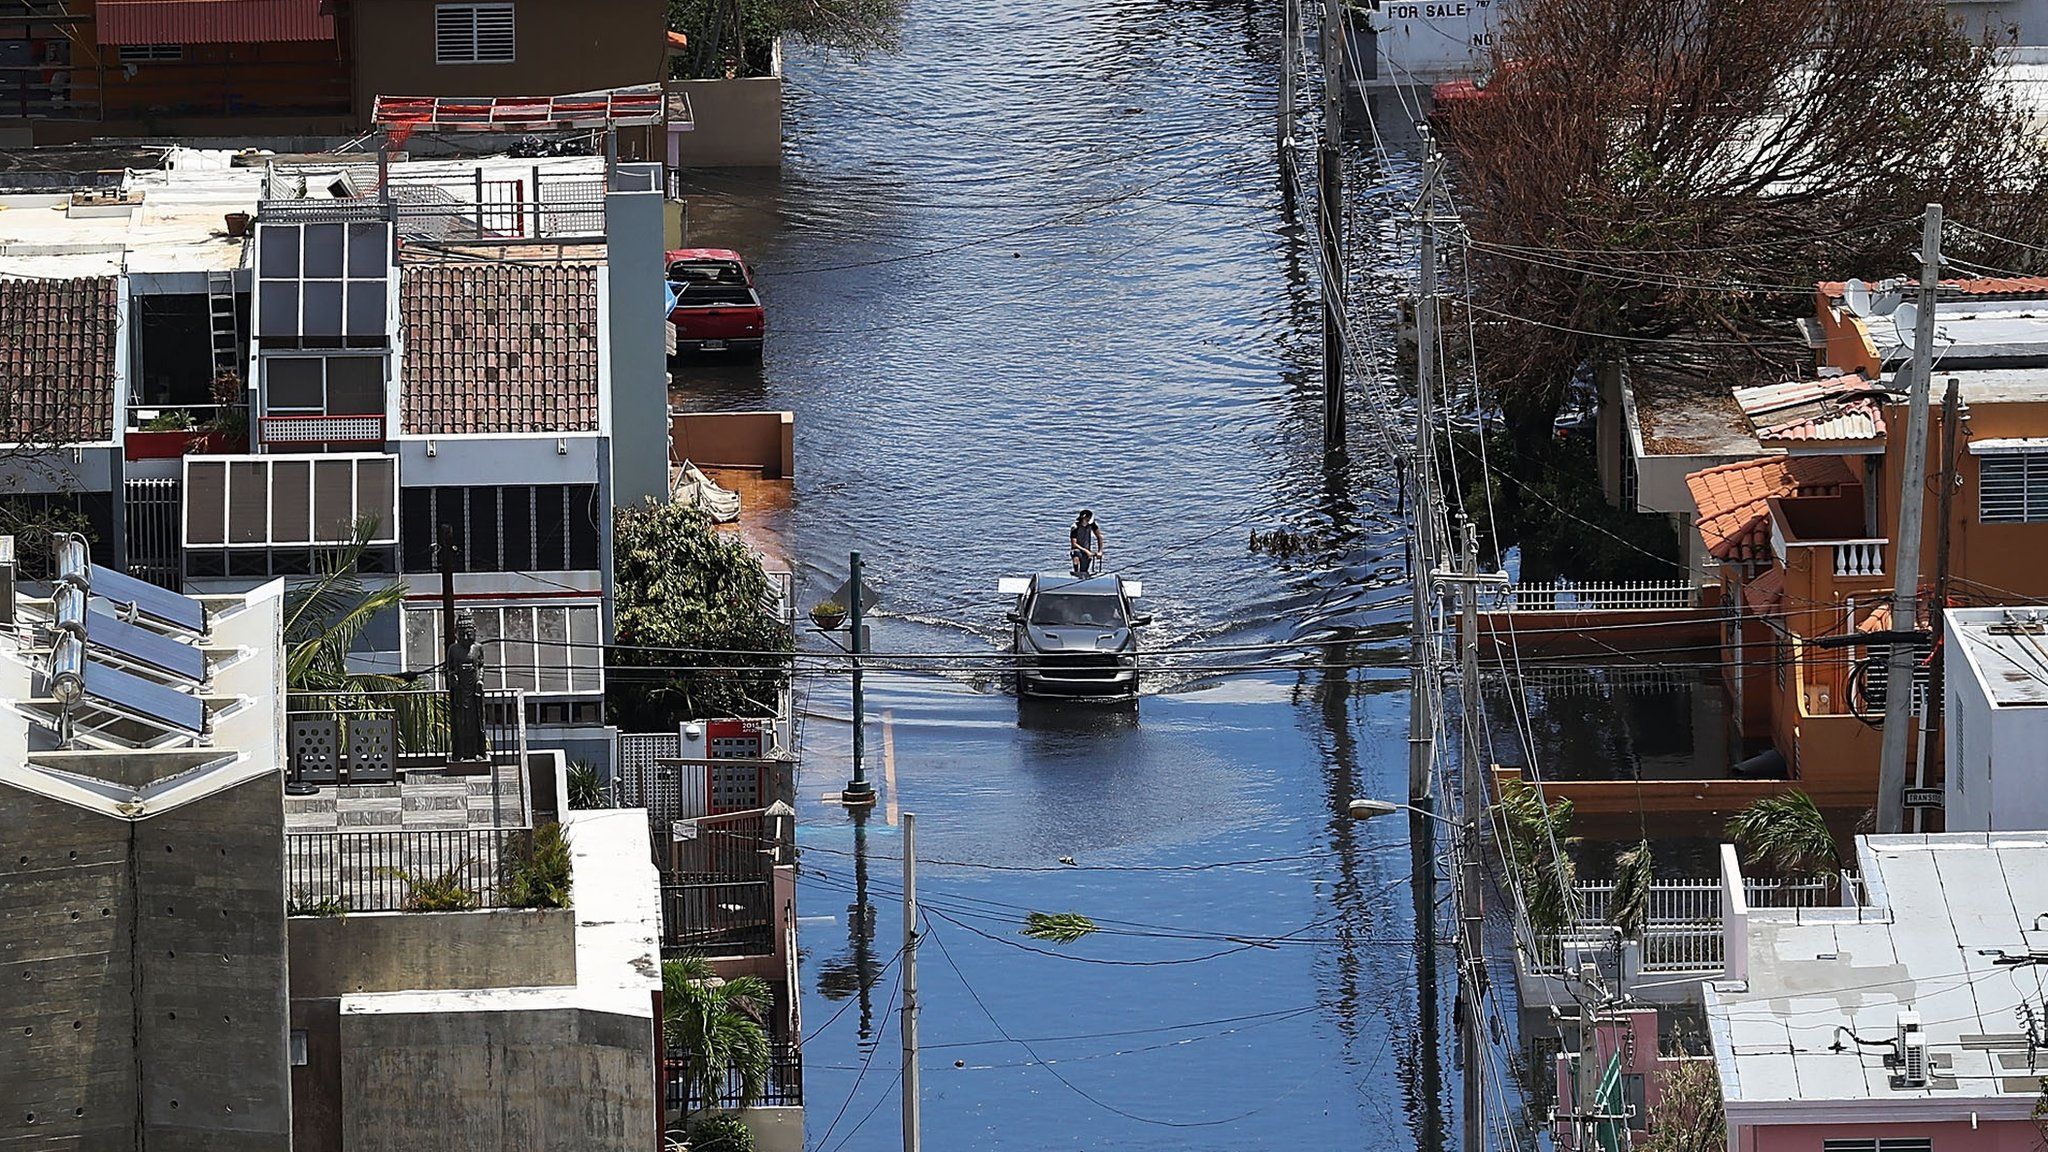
column 1601, row 596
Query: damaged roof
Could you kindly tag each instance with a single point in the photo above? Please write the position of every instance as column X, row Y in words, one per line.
column 1841, row 409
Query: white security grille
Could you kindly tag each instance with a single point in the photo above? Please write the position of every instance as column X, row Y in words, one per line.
column 2013, row 489
column 473, row 34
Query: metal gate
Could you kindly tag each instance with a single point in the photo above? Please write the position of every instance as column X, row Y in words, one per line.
column 152, row 514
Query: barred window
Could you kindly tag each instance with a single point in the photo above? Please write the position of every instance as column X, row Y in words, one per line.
column 2013, row 488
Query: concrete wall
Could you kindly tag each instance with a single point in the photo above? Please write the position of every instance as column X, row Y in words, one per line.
column 538, row 1080
column 738, row 124
column 636, row 344
column 561, row 46
column 775, row 1129
column 400, row 951
column 764, row 440
column 1984, row 1135
column 145, row 968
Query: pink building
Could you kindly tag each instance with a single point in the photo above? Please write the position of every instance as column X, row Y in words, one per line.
column 1913, row 1022
column 1631, row 1032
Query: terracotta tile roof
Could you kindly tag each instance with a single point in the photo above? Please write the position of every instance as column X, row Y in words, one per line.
column 1764, row 592
column 1973, row 286
column 1734, row 499
column 57, row 347
column 1841, row 408
column 499, row 348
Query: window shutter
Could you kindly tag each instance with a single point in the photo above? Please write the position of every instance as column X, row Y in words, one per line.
column 454, row 34
column 494, row 35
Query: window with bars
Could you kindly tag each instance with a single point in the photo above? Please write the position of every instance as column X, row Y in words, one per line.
column 1890, row 1144
column 2013, row 488
column 510, row 528
column 150, row 53
column 323, row 284
column 542, row 648
column 473, row 33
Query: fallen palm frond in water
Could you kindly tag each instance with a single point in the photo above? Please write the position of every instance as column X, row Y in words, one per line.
column 1057, row 927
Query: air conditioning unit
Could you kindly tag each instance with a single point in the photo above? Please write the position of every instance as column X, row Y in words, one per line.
column 1911, row 1060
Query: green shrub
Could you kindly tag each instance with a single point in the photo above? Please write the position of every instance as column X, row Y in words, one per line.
column 540, row 869
column 586, row 788
column 301, row 904
column 720, row 1132
column 443, row 893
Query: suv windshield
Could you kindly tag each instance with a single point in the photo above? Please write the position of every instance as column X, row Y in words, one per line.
column 1069, row 610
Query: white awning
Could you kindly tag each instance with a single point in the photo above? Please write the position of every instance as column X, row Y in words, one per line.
column 2009, row 446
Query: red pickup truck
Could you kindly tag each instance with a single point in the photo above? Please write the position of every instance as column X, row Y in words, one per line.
column 717, row 309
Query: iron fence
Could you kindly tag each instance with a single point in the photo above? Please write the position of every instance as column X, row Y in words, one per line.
column 783, row 1088
column 419, row 721
column 718, row 916
column 398, row 869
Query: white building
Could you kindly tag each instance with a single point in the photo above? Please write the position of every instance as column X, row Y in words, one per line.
column 1995, row 741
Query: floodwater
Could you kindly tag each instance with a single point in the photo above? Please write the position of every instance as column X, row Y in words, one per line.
column 1037, row 260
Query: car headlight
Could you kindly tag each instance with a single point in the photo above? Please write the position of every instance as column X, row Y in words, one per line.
column 1128, row 659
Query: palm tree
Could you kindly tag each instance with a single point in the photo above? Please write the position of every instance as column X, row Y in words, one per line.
column 1786, row 834
column 324, row 615
column 1539, row 843
column 717, row 1025
column 1629, row 911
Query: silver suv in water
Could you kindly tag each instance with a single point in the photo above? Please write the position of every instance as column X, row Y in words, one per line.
column 1074, row 636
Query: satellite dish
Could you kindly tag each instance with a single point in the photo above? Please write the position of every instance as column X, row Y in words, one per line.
column 1904, row 317
column 1856, row 294
column 1887, row 301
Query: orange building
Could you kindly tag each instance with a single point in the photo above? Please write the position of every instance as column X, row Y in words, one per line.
column 1806, row 538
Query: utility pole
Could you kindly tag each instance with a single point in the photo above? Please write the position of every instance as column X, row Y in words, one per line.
column 858, row 790
column 1471, row 912
column 1937, row 679
column 444, row 559
column 1898, row 683
column 913, row 1135
column 1330, row 212
column 1590, row 996
column 1422, row 479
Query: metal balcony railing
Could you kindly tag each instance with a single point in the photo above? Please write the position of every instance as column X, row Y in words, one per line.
column 784, row 1087
column 391, row 869
column 369, row 737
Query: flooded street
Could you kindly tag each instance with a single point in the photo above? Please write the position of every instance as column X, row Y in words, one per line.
column 1055, row 270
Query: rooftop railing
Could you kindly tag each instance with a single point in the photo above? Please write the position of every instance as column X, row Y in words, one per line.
column 399, row 869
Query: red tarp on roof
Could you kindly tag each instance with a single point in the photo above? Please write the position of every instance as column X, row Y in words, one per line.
column 212, row 21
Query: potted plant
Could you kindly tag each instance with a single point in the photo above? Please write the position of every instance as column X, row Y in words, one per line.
column 238, row 223
column 828, row 614
column 228, row 431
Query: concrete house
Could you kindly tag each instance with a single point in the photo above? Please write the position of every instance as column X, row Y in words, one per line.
column 1911, row 1020
column 399, row 355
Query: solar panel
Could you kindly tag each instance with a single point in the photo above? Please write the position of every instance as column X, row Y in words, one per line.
column 156, row 603
column 153, row 649
column 144, row 699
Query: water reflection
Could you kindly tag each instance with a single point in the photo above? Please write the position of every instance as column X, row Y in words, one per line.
column 853, row 972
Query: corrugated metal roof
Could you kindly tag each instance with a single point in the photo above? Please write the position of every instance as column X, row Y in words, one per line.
column 212, row 21
column 1846, row 408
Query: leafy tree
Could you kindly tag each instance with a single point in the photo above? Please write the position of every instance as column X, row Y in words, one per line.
column 716, row 1024
column 1690, row 1117
column 1672, row 176
column 737, row 37
column 1634, row 871
column 1539, row 842
column 1787, row 834
column 693, row 608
